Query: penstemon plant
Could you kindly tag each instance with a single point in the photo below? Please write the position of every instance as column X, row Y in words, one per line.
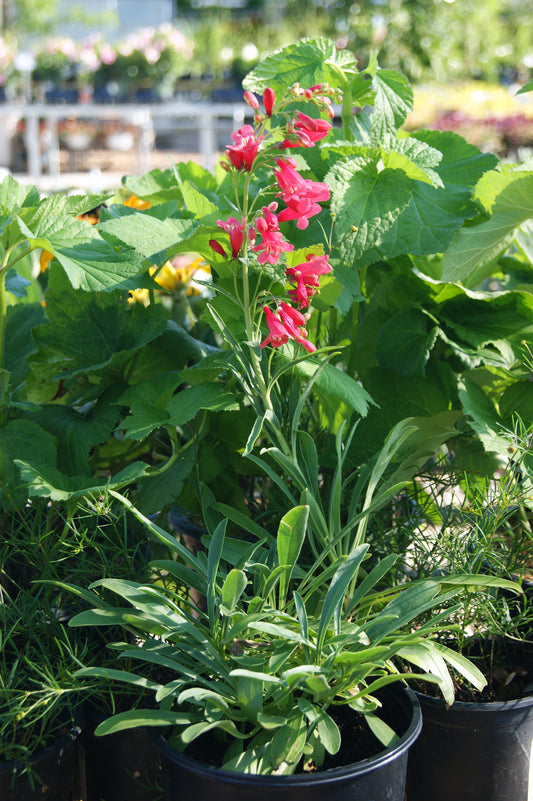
column 348, row 293
column 259, row 662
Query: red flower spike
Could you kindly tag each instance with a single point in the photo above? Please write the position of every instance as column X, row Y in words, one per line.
column 269, row 98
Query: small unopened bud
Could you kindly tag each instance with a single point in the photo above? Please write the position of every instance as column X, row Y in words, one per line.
column 251, row 99
column 225, row 165
column 269, row 98
column 217, row 247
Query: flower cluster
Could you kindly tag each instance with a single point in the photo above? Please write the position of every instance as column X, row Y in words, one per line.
column 298, row 199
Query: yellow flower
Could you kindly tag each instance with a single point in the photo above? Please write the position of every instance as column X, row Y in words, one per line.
column 136, row 203
column 174, row 276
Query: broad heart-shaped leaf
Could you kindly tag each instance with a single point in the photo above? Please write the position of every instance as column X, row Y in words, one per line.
column 183, row 406
column 434, row 214
column 87, row 330
column 415, row 158
column 486, row 318
column 19, row 344
column 307, row 62
column 484, row 419
column 405, row 342
column 98, row 267
column 78, row 433
column 366, row 202
column 46, row 481
column 392, row 104
column 54, row 224
column 148, row 235
column 14, row 196
column 22, row 439
column 471, row 255
column 155, row 186
column 148, row 414
column 159, row 186
column 16, row 284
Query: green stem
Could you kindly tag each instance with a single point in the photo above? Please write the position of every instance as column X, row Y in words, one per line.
column 3, row 313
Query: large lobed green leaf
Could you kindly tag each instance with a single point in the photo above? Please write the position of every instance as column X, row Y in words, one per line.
column 508, row 197
column 307, row 62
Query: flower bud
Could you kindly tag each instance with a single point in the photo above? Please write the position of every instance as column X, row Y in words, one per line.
column 217, row 247
column 251, row 99
column 269, row 98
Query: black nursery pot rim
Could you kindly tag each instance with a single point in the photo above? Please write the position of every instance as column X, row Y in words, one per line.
column 367, row 765
column 42, row 754
column 478, row 706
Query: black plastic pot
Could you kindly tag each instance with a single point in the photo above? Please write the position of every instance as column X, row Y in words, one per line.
column 53, row 771
column 378, row 778
column 473, row 752
column 119, row 767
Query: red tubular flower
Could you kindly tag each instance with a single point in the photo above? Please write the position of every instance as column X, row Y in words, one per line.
column 284, row 326
column 306, row 276
column 311, row 268
column 301, row 293
column 315, row 130
column 301, row 196
column 273, row 243
column 309, row 131
column 271, row 247
column 235, row 229
column 269, row 98
column 277, row 333
column 244, row 150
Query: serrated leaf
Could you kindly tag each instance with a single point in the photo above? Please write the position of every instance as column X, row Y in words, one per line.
column 307, row 62
column 47, row 481
column 393, row 102
column 87, row 331
column 183, row 406
column 16, row 284
column 97, row 267
column 150, row 237
column 14, row 196
column 472, row 253
column 366, row 202
column 77, row 433
column 405, row 342
column 434, row 214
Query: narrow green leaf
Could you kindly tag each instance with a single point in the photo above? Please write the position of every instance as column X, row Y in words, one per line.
column 213, row 560
column 337, row 590
column 233, row 588
column 290, row 538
